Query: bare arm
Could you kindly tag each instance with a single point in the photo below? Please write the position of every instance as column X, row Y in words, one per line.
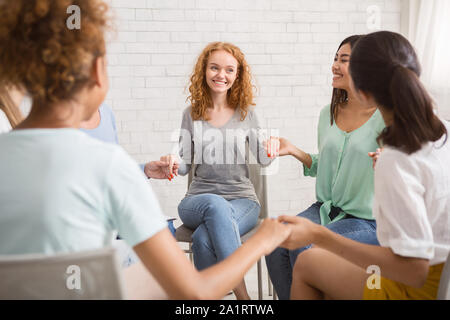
column 178, row 277
column 301, row 156
column 281, row 147
column 408, row 270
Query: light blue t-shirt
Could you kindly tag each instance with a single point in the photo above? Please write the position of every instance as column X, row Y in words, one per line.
column 106, row 130
column 62, row 191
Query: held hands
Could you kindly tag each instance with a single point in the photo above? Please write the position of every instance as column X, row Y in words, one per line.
column 375, row 155
column 272, row 233
column 277, row 146
column 165, row 168
column 304, row 232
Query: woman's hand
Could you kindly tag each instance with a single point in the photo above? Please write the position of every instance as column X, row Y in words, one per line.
column 304, row 232
column 155, row 170
column 277, row 146
column 165, row 168
column 172, row 165
column 375, row 155
column 272, row 233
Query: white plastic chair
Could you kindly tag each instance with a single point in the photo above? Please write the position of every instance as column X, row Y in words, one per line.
column 444, row 283
column 84, row 275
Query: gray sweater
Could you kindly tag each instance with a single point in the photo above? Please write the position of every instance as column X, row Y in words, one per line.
column 220, row 155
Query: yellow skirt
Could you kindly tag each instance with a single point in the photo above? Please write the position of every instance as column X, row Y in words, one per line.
column 393, row 290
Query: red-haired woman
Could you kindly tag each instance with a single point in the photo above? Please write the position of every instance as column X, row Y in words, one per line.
column 221, row 203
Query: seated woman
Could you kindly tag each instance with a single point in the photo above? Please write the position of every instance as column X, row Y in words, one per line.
column 221, row 203
column 62, row 191
column 412, row 191
column 347, row 131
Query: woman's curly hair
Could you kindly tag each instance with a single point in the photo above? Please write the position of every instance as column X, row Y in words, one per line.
column 239, row 95
column 41, row 54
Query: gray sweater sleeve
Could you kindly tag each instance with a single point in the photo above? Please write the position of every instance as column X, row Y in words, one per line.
column 185, row 143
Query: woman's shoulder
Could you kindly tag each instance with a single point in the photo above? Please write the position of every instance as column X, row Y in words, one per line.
column 186, row 118
column 393, row 159
column 325, row 111
column 251, row 113
column 187, row 111
column 324, row 114
column 378, row 120
column 107, row 113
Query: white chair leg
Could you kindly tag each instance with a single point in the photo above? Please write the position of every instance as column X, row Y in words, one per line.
column 191, row 257
column 260, row 291
column 269, row 285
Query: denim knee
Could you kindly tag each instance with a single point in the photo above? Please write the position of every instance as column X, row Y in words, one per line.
column 207, row 203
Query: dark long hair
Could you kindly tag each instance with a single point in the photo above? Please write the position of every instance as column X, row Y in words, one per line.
column 385, row 65
column 340, row 95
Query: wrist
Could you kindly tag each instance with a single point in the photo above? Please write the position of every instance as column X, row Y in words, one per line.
column 319, row 234
column 290, row 151
column 297, row 153
column 253, row 245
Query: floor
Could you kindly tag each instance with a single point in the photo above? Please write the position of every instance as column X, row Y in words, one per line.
column 251, row 281
column 251, row 278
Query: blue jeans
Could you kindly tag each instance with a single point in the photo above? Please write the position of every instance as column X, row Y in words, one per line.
column 171, row 227
column 218, row 225
column 281, row 261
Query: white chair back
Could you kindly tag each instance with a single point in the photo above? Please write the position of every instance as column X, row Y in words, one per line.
column 444, row 283
column 84, row 275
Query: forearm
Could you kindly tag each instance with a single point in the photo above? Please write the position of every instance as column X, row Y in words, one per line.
column 301, row 156
column 407, row 270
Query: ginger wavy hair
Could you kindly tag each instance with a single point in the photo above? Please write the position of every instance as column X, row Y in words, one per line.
column 239, row 95
column 41, row 54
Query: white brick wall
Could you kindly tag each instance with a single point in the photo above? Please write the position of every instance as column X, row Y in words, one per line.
column 290, row 45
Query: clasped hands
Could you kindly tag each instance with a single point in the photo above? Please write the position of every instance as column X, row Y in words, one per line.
column 290, row 232
column 277, row 146
column 166, row 168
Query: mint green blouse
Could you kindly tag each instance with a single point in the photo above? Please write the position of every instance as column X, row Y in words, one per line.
column 343, row 168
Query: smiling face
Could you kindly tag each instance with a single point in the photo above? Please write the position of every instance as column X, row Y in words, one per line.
column 221, row 71
column 341, row 76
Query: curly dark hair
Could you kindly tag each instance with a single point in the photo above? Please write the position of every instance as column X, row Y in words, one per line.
column 41, row 54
